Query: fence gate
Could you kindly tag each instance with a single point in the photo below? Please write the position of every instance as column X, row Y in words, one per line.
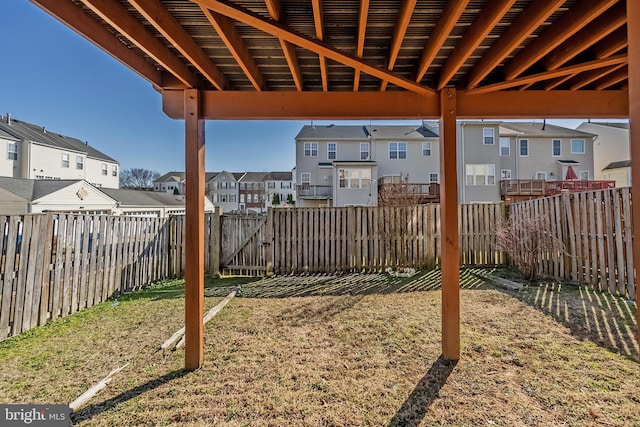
column 245, row 244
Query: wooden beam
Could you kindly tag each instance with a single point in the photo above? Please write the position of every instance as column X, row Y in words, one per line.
column 488, row 18
column 404, row 17
column 529, row 20
column 289, row 51
column 194, row 230
column 163, row 21
column 307, row 105
column 119, row 18
column 633, row 28
column 75, row 18
column 611, row 44
column 554, row 104
column 448, row 19
column 598, row 29
column 589, row 77
column 230, row 37
column 558, row 81
column 612, row 79
column 319, row 24
column 570, row 23
column 362, row 29
column 547, row 75
column 450, row 247
column 234, row 105
column 278, row 30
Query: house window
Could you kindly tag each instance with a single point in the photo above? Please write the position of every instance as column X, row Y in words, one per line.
column 489, row 136
column 524, row 147
column 271, row 185
column 114, row 170
column 584, row 175
column 426, row 149
column 232, row 198
column 331, row 150
column 434, row 178
column 397, row 150
column 311, row 149
column 481, row 174
column 104, row 169
column 354, row 178
column 12, row 151
column 364, row 151
column 541, row 175
column 505, row 147
column 79, row 162
column 65, row 160
column 505, row 174
column 556, row 150
column 215, row 198
column 305, row 178
column 242, row 198
column 577, row 146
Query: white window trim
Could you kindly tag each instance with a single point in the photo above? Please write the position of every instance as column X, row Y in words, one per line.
column 368, row 150
column 304, row 175
column 508, row 147
column 313, row 147
column 398, row 150
column 556, row 155
column 426, row 146
column 520, row 147
column 493, row 136
column 437, row 175
column 335, row 151
column 584, row 146
column 543, row 173
column 502, row 171
column 486, row 175
column 586, row 173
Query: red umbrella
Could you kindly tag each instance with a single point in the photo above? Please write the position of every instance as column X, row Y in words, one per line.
column 571, row 174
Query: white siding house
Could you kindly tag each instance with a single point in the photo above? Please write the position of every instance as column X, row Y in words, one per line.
column 611, row 158
column 33, row 152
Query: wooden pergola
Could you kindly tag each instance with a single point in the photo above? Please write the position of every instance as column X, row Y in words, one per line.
column 343, row 59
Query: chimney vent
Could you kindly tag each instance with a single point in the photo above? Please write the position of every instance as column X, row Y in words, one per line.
column 8, row 118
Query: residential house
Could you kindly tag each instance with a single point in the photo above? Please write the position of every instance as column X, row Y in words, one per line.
column 170, row 182
column 19, row 196
column 280, row 191
column 611, row 157
column 33, row 152
column 150, row 203
column 536, row 159
column 223, row 190
column 345, row 165
column 252, row 191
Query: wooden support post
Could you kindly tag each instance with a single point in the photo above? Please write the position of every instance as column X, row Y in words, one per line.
column 633, row 36
column 449, row 227
column 194, row 230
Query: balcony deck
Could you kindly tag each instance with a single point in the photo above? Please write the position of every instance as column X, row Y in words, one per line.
column 542, row 188
column 404, row 193
column 317, row 192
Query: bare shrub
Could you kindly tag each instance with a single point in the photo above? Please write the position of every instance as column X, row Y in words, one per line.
column 527, row 240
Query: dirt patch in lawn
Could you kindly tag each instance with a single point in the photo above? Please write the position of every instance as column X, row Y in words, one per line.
column 335, row 357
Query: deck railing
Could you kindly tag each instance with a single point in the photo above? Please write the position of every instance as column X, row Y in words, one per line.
column 540, row 187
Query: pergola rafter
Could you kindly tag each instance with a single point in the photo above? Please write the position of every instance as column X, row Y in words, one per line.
column 246, row 59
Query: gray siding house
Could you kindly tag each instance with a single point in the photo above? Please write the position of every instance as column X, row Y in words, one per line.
column 346, row 165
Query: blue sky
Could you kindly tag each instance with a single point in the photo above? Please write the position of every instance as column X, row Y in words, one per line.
column 55, row 78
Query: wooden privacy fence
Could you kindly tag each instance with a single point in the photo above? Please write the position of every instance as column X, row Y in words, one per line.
column 328, row 240
column 53, row 265
column 595, row 229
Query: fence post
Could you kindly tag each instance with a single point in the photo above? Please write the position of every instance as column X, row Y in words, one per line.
column 215, row 241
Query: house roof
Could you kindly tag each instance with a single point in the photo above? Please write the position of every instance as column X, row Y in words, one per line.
column 254, row 177
column 173, row 176
column 618, row 165
column 34, row 189
column 537, row 129
column 611, row 125
column 280, row 176
column 40, row 135
column 131, row 198
column 363, row 133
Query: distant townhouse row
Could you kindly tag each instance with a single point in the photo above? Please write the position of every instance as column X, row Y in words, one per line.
column 33, row 152
column 19, row 196
column 238, row 191
column 363, row 165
